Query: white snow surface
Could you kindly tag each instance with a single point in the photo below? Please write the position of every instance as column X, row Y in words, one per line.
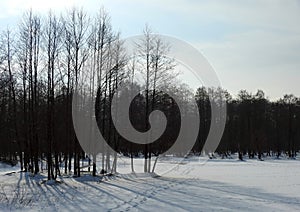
column 217, row 185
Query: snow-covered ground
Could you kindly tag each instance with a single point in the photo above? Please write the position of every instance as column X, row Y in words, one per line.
column 270, row 185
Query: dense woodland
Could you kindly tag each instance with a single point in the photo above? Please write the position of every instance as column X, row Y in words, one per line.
column 40, row 64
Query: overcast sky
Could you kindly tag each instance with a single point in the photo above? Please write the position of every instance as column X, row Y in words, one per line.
column 252, row 44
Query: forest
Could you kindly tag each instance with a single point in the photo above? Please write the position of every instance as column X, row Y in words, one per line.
column 42, row 63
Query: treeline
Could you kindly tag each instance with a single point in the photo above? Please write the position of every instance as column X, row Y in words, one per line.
column 258, row 126
column 255, row 126
column 47, row 58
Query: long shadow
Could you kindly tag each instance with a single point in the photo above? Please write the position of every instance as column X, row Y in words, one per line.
column 18, row 189
column 62, row 195
column 37, row 193
column 140, row 190
column 144, row 194
column 88, row 182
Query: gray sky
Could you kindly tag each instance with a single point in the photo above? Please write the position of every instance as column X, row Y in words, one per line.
column 252, row 44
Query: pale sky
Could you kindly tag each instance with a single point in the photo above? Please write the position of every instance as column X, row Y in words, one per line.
column 252, row 44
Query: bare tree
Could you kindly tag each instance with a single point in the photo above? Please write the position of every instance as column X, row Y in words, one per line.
column 29, row 54
column 156, row 68
column 7, row 55
column 76, row 29
column 52, row 40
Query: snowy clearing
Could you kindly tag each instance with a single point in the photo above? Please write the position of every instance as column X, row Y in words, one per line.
column 217, row 185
